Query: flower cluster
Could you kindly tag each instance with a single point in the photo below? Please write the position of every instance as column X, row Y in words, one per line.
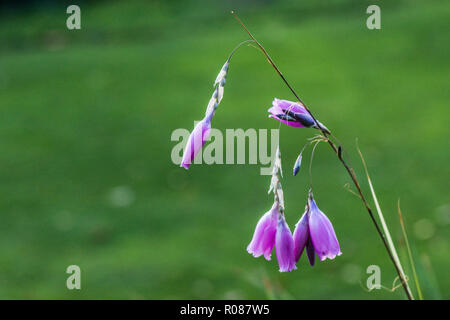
column 313, row 231
column 272, row 229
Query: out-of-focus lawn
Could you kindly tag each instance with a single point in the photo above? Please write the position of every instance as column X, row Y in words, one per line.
column 86, row 117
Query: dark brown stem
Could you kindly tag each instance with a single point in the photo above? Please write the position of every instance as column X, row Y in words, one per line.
column 338, row 150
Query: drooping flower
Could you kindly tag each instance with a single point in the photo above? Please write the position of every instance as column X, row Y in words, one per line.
column 293, row 114
column 197, row 140
column 201, row 132
column 322, row 233
column 284, row 246
column 263, row 239
column 315, row 232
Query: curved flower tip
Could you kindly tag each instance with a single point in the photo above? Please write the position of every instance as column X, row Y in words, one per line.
column 185, row 165
column 293, row 114
column 263, row 239
column 196, row 141
column 284, row 246
column 223, row 73
column 322, row 234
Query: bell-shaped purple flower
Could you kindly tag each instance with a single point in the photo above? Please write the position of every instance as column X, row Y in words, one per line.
column 315, row 232
column 293, row 114
column 322, row 233
column 263, row 239
column 284, row 246
column 197, row 140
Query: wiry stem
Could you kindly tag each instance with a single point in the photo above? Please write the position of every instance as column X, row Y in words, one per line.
column 338, row 150
column 237, row 47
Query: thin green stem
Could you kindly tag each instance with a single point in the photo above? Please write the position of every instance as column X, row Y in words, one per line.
column 237, row 47
column 410, row 256
column 338, row 150
column 310, row 165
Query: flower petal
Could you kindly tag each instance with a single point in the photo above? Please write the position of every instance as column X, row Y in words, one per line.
column 301, row 236
column 289, row 123
column 284, row 246
column 196, row 141
column 293, row 114
column 285, row 105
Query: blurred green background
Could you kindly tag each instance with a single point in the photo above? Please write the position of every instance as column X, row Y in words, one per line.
column 86, row 117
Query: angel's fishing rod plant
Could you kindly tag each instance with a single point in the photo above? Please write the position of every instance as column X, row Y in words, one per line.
column 201, row 132
column 314, row 232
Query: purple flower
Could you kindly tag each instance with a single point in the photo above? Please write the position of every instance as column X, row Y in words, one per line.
column 197, row 140
column 284, row 246
column 302, row 239
column 293, row 114
column 315, row 232
column 264, row 237
column 301, row 236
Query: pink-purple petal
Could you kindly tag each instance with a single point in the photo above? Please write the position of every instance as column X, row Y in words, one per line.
column 263, row 239
column 197, row 140
column 284, row 246
column 293, row 114
column 289, row 123
column 268, row 241
column 301, row 235
column 322, row 233
column 285, row 105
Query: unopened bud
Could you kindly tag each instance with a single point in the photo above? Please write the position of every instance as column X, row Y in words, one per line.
column 297, row 164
